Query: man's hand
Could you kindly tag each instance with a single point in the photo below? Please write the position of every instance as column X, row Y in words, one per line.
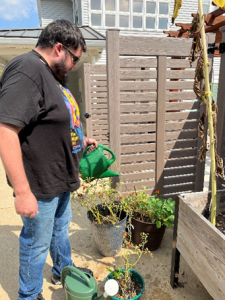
column 89, row 141
column 26, row 204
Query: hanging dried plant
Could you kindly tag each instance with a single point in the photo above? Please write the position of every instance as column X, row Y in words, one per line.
column 199, row 75
column 195, row 24
column 196, row 48
column 219, row 167
column 201, row 126
column 202, row 151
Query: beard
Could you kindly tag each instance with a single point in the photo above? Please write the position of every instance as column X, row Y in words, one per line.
column 61, row 72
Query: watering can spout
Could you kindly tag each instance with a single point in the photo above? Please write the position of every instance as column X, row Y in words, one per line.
column 95, row 164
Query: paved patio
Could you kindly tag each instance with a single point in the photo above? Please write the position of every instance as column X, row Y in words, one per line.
column 156, row 270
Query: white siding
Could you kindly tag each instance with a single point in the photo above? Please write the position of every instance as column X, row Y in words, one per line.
column 216, row 69
column 85, row 12
column 56, row 9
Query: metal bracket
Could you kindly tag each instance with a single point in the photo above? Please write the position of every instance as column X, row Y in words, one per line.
column 211, row 48
column 222, row 48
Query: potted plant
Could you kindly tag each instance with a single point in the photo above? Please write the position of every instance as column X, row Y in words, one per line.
column 131, row 283
column 105, row 213
column 149, row 214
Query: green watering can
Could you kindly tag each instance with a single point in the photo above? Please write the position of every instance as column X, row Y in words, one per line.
column 95, row 164
column 82, row 286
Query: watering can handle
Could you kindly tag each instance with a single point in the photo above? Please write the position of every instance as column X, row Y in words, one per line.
column 103, row 148
column 66, row 271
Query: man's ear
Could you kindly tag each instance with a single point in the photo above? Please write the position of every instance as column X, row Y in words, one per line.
column 58, row 48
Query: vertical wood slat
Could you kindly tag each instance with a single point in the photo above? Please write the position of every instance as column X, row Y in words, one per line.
column 87, row 97
column 221, row 109
column 160, row 122
column 113, row 95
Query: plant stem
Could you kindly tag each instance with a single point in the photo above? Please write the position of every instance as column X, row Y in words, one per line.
column 210, row 119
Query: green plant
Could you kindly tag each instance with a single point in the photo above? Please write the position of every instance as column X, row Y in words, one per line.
column 101, row 200
column 152, row 209
column 130, row 256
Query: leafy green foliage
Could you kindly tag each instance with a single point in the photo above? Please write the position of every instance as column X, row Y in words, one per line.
column 152, row 209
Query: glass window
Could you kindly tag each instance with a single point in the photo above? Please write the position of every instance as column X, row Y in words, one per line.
column 96, row 4
column 150, row 23
column 163, row 23
column 137, row 22
column 124, row 5
column 137, row 6
column 163, row 8
column 110, row 5
column 110, row 20
column 95, row 19
column 124, row 21
column 150, row 7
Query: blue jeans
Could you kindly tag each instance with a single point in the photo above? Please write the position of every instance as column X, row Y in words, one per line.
column 48, row 230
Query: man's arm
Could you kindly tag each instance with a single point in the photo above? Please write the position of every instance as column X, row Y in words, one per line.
column 10, row 152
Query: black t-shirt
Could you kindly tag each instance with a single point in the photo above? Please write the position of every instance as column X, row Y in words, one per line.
column 51, row 137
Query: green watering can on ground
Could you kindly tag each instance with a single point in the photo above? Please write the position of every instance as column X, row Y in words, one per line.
column 82, row 286
column 95, row 164
column 78, row 285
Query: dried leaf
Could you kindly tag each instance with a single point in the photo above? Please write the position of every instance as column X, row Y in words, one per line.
column 219, row 3
column 202, row 151
column 177, row 6
column 219, row 167
column 195, row 24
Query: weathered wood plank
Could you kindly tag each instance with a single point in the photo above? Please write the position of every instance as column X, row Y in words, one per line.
column 188, row 134
column 173, row 145
column 180, row 171
column 137, row 167
column 145, row 96
column 99, row 122
column 98, row 84
column 142, row 107
column 137, row 138
column 98, row 89
column 98, row 100
column 180, row 153
column 138, row 62
column 98, row 95
column 182, row 105
column 209, row 251
column 141, row 128
column 179, row 180
column 100, row 127
column 181, row 125
column 132, row 118
column 151, row 85
column 113, row 96
column 137, row 185
column 125, row 149
column 99, row 106
column 182, row 115
column 180, row 74
column 138, row 74
column 87, row 97
column 147, row 46
column 172, row 163
column 137, row 158
column 187, row 95
column 98, row 69
column 100, row 117
column 160, row 123
column 139, row 176
column 179, row 188
column 180, row 63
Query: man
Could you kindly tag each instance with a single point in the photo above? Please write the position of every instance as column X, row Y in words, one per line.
column 41, row 146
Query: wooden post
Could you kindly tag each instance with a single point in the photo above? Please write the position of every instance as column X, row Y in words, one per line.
column 87, row 97
column 113, row 96
column 221, row 109
column 160, row 122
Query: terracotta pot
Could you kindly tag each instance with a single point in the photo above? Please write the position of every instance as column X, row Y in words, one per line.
column 155, row 234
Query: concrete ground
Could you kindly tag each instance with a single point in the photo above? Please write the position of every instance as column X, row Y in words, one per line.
column 155, row 270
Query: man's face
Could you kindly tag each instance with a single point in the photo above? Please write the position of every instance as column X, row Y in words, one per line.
column 66, row 64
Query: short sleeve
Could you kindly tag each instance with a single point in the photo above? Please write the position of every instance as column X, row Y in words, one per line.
column 19, row 99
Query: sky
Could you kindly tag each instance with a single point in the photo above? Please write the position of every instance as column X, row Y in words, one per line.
column 18, row 14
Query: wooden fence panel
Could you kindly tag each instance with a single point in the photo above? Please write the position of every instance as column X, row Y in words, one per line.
column 144, row 105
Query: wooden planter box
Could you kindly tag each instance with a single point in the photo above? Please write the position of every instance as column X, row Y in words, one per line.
column 200, row 243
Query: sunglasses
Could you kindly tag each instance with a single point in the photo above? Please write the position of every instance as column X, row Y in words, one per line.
column 75, row 58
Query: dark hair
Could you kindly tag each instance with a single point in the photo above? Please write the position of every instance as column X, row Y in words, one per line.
column 61, row 31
